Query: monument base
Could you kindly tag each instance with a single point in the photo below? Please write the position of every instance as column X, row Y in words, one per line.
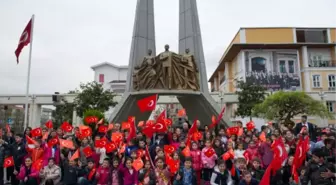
column 198, row 105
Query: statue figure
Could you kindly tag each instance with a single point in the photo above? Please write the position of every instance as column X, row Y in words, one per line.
column 190, row 72
column 166, row 60
column 145, row 73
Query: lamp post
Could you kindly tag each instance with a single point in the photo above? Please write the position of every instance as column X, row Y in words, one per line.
column 323, row 96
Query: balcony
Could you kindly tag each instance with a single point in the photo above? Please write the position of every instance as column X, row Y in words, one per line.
column 322, row 63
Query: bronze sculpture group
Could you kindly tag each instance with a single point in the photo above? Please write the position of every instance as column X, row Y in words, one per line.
column 168, row 70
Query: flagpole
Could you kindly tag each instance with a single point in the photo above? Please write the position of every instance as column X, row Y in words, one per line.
column 28, row 73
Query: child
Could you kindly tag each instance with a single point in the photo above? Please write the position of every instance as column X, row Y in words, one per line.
column 114, row 173
column 88, row 174
column 51, row 172
column 196, row 156
column 147, row 175
column 28, row 175
column 103, row 173
column 129, row 174
column 256, row 171
column 221, row 176
column 162, row 173
column 239, row 152
column 186, row 175
column 36, row 152
column 175, row 142
column 218, row 147
column 208, row 163
column 248, row 180
column 70, row 171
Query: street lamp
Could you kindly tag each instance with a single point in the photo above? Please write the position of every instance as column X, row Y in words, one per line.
column 323, row 96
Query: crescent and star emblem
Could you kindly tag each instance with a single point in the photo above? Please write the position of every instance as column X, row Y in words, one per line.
column 300, row 152
column 151, row 103
column 24, row 37
column 8, row 162
column 280, row 150
column 160, row 126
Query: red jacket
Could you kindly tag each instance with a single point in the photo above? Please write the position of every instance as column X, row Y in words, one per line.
column 102, row 175
column 196, row 156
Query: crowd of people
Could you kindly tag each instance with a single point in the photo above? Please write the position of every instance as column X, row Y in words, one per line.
column 186, row 154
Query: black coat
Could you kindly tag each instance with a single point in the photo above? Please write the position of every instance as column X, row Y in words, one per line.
column 18, row 151
column 313, row 174
column 311, row 130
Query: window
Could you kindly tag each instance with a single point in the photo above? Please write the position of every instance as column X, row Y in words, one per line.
column 316, row 81
column 312, row 35
column 331, row 80
column 286, row 66
column 282, row 66
column 291, row 66
column 101, row 78
column 330, row 106
column 258, row 64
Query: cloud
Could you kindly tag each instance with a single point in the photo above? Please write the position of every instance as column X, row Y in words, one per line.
column 71, row 36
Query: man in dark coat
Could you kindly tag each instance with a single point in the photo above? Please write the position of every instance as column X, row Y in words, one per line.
column 311, row 128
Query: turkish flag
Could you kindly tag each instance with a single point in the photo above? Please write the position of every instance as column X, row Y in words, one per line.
column 49, row 124
column 102, row 129
column 87, row 151
column 181, row 113
column 141, row 123
column 24, row 39
column 210, row 152
column 117, row 137
column 53, row 141
column 250, row 126
column 162, row 116
column 148, row 131
column 174, row 165
column 168, row 122
column 122, row 148
column 140, row 153
column 66, row 127
column 110, row 147
column 132, row 131
column 125, row 125
column 137, row 164
column 37, row 132
column 66, row 144
column 232, row 130
column 8, row 162
column 85, row 131
column 186, row 151
column 30, row 141
column 38, row 164
column 160, row 127
column 169, row 149
column 101, row 143
column 147, row 103
column 75, row 155
column 110, row 126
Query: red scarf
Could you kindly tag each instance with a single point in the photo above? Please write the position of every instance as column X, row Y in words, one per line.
column 91, row 174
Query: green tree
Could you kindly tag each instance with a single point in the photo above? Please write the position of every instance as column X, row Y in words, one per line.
column 92, row 96
column 283, row 106
column 63, row 112
column 249, row 96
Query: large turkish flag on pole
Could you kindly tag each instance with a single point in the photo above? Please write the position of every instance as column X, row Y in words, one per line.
column 24, row 39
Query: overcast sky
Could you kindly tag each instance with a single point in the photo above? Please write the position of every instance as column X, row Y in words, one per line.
column 71, row 36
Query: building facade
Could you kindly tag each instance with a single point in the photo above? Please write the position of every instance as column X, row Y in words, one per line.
column 112, row 76
column 291, row 59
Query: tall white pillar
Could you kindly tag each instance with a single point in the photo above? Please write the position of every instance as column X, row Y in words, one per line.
column 306, row 73
column 35, row 115
column 75, row 119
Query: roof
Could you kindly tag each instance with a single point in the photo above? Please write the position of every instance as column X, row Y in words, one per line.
column 235, row 48
column 109, row 64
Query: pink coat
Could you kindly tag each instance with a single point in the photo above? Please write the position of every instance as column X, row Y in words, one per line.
column 22, row 173
column 48, row 154
column 208, row 162
column 196, row 159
